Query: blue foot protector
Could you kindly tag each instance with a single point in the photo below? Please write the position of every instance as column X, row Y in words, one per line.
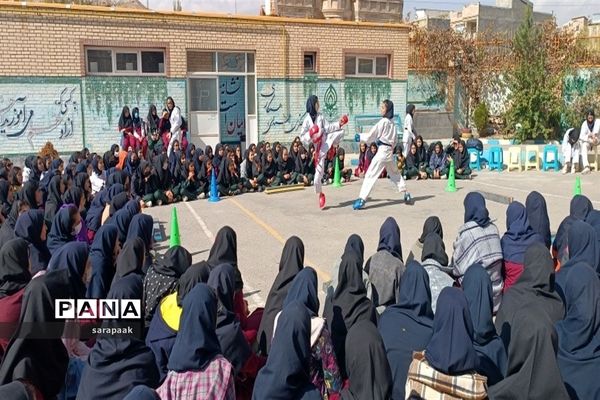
column 358, row 204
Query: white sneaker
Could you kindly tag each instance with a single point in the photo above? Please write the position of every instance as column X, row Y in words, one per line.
column 202, row 196
column 185, row 199
column 586, row 170
column 148, row 204
column 159, row 203
column 564, row 169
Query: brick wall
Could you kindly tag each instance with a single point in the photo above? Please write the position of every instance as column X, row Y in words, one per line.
column 44, row 63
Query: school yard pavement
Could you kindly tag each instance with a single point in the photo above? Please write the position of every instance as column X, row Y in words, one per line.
column 263, row 222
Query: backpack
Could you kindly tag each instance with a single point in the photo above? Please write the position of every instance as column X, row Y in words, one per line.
column 475, row 144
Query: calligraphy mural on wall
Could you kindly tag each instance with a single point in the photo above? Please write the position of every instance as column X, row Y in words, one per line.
column 232, row 109
column 282, row 103
column 32, row 114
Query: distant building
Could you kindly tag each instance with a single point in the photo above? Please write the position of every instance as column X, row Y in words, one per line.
column 505, row 16
column 584, row 26
column 387, row 11
column 432, row 19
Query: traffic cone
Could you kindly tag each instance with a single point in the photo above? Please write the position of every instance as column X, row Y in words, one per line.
column 214, row 191
column 174, row 240
column 577, row 188
column 337, row 176
column 451, row 186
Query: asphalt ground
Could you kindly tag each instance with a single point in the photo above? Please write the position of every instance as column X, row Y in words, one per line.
column 264, row 222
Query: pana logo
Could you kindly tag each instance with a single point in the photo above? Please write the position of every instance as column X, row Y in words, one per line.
column 97, row 309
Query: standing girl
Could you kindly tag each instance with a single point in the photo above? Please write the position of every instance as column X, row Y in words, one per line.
column 588, row 138
column 385, row 133
column 126, row 129
column 139, row 131
column 324, row 135
column 409, row 129
column 175, row 121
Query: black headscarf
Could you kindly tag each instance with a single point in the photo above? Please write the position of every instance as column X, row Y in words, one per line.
column 175, row 262
column 117, row 363
column 450, row 349
column 28, row 193
column 519, row 234
column 4, row 204
column 348, row 305
column 532, row 368
column 197, row 273
column 118, row 202
column 125, row 122
column 103, row 263
column 224, row 251
column 292, row 262
column 54, row 194
column 197, row 343
column 434, row 248
column 71, row 257
column 311, row 108
column 583, row 248
column 73, row 196
column 287, row 372
column 579, row 333
column 142, row 226
column 121, row 219
column 389, row 113
column 389, row 238
column 355, row 244
column 7, row 231
column 579, row 209
column 491, row 353
column 14, row 263
column 407, row 327
column 36, row 353
column 537, row 213
column 475, row 209
column 152, row 119
column 304, row 290
column 130, row 258
column 535, row 286
column 62, row 229
column 234, row 346
column 29, row 227
column 432, row 225
column 367, row 365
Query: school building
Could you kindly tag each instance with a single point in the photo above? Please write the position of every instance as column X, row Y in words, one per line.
column 66, row 71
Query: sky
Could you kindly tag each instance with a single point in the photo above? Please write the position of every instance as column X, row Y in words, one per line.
column 563, row 9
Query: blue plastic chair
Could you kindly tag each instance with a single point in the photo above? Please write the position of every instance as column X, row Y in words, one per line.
column 550, row 149
column 496, row 160
column 474, row 159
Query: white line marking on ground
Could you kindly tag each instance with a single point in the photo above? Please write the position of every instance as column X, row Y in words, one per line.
column 254, row 299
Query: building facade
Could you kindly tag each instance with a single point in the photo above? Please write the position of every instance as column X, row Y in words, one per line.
column 432, row 19
column 67, row 71
column 505, row 16
column 384, row 11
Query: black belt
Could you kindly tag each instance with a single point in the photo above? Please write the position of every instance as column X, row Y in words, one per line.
column 380, row 143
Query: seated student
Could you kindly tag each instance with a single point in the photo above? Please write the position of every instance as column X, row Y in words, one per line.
column 164, row 128
column 579, row 209
column 435, row 262
column 205, row 176
column 229, row 181
column 305, row 168
column 197, row 368
column 166, row 321
column 422, row 154
column 65, row 227
column 537, row 214
column 385, row 268
column 478, row 241
column 370, row 154
column 234, row 346
column 98, row 177
column 363, row 162
column 411, row 167
column 191, row 188
column 448, row 364
column 438, row 162
column 30, row 226
column 583, row 248
column 571, row 149
column 461, row 161
column 453, row 146
column 250, row 171
column 56, row 188
column 139, row 132
column 414, row 317
column 269, row 167
column 286, row 374
column 579, row 334
column 286, row 168
column 432, row 225
column 345, row 173
column 488, row 346
column 126, row 129
column 324, row 371
column 515, row 242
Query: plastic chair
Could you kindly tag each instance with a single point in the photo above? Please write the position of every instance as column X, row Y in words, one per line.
column 496, row 159
column 550, row 158
column 514, row 159
column 536, row 159
column 474, row 159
